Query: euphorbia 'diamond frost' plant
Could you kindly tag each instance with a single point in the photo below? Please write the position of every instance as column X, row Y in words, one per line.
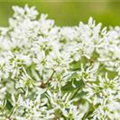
column 49, row 72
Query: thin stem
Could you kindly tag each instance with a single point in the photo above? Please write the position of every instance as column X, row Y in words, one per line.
column 43, row 85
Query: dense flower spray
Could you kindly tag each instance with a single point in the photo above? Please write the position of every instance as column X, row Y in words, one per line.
column 49, row 72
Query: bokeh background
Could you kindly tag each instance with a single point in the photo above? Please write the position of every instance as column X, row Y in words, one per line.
column 68, row 13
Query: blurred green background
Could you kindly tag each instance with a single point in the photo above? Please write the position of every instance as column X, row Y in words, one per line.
column 68, row 13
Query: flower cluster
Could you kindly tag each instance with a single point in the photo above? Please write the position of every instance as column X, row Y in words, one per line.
column 49, row 72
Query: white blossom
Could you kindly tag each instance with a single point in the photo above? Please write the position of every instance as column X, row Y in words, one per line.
column 48, row 72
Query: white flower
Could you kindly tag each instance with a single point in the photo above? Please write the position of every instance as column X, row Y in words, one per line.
column 48, row 72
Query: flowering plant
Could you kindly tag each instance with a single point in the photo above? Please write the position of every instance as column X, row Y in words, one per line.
column 49, row 72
